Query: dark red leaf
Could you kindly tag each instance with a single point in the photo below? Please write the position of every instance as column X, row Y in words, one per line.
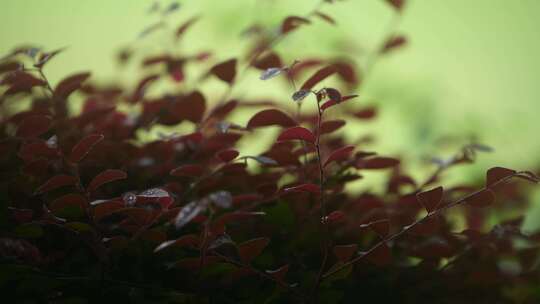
column 333, row 94
column 297, row 133
column 497, row 174
column 291, row 23
column 33, row 126
column 70, row 84
column 366, row 113
column 319, row 76
column 325, row 17
column 104, row 177
column 330, row 126
column 393, row 43
column 83, row 147
column 225, row 71
column 397, row 4
column 331, row 103
column 189, row 240
column 36, row 149
column 381, row 227
column 339, row 154
column 482, row 199
column 68, row 200
column 190, row 107
column 56, row 182
column 270, row 117
column 188, row 170
column 431, row 199
column 251, row 249
column 140, row 91
column 227, row 155
column 377, row 163
column 334, row 217
column 268, row 61
column 19, row 81
column 345, row 252
column 185, row 26
column 304, row 188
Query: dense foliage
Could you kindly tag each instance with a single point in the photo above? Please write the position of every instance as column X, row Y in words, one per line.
column 92, row 213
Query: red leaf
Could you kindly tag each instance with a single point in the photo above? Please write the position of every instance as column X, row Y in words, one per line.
column 105, row 208
column 431, row 199
column 188, row 170
column 319, row 76
column 332, row 103
column 33, row 126
column 394, row 43
column 190, row 107
column 227, row 155
column 189, row 240
column 339, row 154
column 68, row 200
column 83, row 147
column 377, row 163
column 334, row 216
column 482, row 199
column 20, row 82
column 304, row 188
column 251, row 249
column 333, row 94
column 331, row 126
column 270, row 117
column 104, row 177
column 139, row 92
column 325, row 17
column 496, row 174
column 345, row 252
column 397, row 4
column 185, row 26
column 291, row 23
column 225, row 71
column 268, row 61
column 56, row 182
column 36, row 149
column 70, row 84
column 366, row 113
column 297, row 133
column 381, row 227
column 280, row 273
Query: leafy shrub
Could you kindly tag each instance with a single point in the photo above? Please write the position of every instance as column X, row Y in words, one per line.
column 91, row 212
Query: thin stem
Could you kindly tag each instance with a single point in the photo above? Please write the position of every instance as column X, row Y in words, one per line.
column 48, row 85
column 417, row 222
column 325, row 239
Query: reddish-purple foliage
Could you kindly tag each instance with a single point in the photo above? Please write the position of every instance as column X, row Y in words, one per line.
column 92, row 212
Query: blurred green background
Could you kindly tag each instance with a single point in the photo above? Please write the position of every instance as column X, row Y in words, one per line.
column 471, row 67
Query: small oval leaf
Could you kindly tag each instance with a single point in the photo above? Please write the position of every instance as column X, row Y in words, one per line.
column 104, row 177
column 83, row 147
column 297, row 133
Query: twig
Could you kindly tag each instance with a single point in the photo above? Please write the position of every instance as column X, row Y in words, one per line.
column 417, row 222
